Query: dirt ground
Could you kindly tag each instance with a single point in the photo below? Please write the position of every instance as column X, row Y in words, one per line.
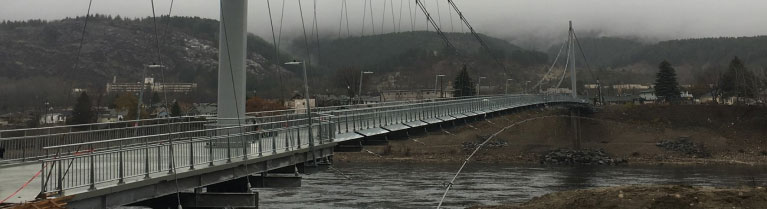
column 647, row 197
column 733, row 135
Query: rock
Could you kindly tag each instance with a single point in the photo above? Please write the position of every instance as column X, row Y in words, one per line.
column 685, row 146
column 579, row 157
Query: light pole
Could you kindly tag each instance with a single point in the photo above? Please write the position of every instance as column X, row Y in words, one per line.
column 360, row 92
column 479, row 86
column 506, row 91
column 141, row 93
column 526, row 83
column 308, row 108
column 437, row 84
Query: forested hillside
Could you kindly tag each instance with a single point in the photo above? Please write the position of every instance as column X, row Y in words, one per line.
column 37, row 58
column 619, row 57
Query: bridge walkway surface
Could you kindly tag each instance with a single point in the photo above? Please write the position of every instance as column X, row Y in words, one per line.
column 123, row 164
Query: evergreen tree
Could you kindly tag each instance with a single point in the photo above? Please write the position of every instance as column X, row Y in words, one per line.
column 156, row 98
column 175, row 110
column 666, row 85
column 83, row 111
column 463, row 85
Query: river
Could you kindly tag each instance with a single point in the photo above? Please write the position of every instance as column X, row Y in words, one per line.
column 403, row 185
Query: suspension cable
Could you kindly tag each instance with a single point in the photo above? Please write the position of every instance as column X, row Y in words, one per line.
column 439, row 13
column 162, row 70
column 552, row 65
column 348, row 29
column 567, row 62
column 79, row 50
column 276, row 52
column 393, row 19
column 372, row 18
column 411, row 13
column 399, row 20
column 442, row 35
column 364, row 16
column 341, row 19
column 317, row 34
column 159, row 60
column 479, row 39
column 383, row 17
column 586, row 61
column 452, row 26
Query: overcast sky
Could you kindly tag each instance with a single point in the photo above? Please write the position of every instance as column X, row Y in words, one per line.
column 530, row 23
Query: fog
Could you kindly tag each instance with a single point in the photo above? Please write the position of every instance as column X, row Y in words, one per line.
column 529, row 23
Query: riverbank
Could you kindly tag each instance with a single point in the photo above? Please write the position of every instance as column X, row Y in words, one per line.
column 641, row 197
column 727, row 135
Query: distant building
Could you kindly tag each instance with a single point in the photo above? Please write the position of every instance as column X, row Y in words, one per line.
column 409, row 95
column 647, row 97
column 53, row 118
column 299, row 104
column 558, row 91
column 203, row 109
column 150, row 85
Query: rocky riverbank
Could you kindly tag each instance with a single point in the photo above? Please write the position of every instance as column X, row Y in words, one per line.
column 616, row 134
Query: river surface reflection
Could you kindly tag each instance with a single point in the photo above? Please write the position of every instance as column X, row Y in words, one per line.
column 402, row 185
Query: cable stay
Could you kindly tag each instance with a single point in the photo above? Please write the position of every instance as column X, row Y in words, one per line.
column 442, row 35
column 474, row 33
column 552, row 66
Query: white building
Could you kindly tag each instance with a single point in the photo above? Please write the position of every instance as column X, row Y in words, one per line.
column 53, row 118
column 299, row 105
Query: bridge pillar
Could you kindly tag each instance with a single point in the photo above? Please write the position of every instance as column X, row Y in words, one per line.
column 576, row 122
column 231, row 65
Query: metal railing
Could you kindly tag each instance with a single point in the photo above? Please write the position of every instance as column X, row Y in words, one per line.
column 27, row 144
column 92, row 164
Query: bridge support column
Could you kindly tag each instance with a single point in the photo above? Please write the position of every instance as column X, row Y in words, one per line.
column 231, row 56
column 275, row 181
column 576, row 122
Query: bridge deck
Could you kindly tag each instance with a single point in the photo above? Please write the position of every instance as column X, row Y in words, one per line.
column 94, row 165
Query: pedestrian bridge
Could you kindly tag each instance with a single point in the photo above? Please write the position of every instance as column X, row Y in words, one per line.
column 112, row 164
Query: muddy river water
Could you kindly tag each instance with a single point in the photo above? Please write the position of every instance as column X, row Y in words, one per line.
column 403, row 185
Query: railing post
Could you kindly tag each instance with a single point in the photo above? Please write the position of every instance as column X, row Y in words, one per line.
column 260, row 144
column 59, row 174
column 92, row 169
column 245, row 144
column 191, row 153
column 120, row 165
column 210, row 151
column 228, row 147
column 171, row 157
column 146, row 158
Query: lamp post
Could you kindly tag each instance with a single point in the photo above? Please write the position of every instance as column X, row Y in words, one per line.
column 479, row 85
column 141, row 93
column 506, row 91
column 359, row 95
column 308, row 108
column 437, row 84
column 526, row 83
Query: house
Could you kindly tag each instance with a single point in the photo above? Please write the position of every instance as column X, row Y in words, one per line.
column 299, row 104
column 647, row 97
column 203, row 109
column 111, row 115
column 53, row 118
